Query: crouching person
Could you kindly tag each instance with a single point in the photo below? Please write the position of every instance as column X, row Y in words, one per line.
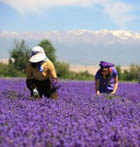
column 41, row 78
column 106, row 79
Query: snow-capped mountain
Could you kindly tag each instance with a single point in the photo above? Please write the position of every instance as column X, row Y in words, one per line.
column 82, row 46
column 59, row 35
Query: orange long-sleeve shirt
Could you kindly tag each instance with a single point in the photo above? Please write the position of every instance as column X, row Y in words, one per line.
column 48, row 71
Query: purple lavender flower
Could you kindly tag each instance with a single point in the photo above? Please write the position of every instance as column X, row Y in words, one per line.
column 77, row 118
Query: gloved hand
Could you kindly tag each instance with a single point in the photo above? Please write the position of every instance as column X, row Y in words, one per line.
column 35, row 92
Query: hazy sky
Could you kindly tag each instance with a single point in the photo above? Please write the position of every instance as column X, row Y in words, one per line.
column 98, row 29
column 50, row 15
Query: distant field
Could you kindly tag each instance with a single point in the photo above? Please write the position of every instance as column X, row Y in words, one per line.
column 91, row 69
column 4, row 61
column 77, row 68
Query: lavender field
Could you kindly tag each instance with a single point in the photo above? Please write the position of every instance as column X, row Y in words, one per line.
column 77, row 118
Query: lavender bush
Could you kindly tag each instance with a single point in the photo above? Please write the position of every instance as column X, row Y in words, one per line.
column 77, row 118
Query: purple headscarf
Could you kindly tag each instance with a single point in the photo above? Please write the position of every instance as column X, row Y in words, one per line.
column 104, row 64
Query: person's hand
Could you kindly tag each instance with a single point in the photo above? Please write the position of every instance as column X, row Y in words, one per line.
column 112, row 93
column 54, row 95
column 35, row 93
column 55, row 80
column 97, row 93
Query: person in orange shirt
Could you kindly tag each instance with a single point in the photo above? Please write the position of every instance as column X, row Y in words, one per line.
column 41, row 78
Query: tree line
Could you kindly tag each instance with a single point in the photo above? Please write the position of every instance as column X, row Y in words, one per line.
column 130, row 74
column 20, row 54
column 19, row 57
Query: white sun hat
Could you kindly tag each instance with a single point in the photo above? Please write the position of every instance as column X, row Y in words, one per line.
column 37, row 49
column 38, row 55
column 38, row 58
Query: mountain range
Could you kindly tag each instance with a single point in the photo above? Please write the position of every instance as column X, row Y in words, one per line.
column 85, row 47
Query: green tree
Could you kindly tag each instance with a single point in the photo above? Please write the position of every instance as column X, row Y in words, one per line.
column 19, row 55
column 7, row 70
column 134, row 70
column 49, row 49
column 62, row 69
column 118, row 68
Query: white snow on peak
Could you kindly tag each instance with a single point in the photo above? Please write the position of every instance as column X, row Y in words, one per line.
column 74, row 34
column 121, row 34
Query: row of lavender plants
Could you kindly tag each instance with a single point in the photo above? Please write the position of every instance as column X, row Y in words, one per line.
column 77, row 118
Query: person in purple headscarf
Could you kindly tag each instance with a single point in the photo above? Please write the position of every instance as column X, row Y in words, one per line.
column 106, row 79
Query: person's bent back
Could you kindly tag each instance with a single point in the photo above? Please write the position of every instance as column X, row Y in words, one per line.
column 41, row 75
column 106, row 79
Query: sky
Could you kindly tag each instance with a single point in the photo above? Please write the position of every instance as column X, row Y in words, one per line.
column 60, row 15
column 98, row 29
